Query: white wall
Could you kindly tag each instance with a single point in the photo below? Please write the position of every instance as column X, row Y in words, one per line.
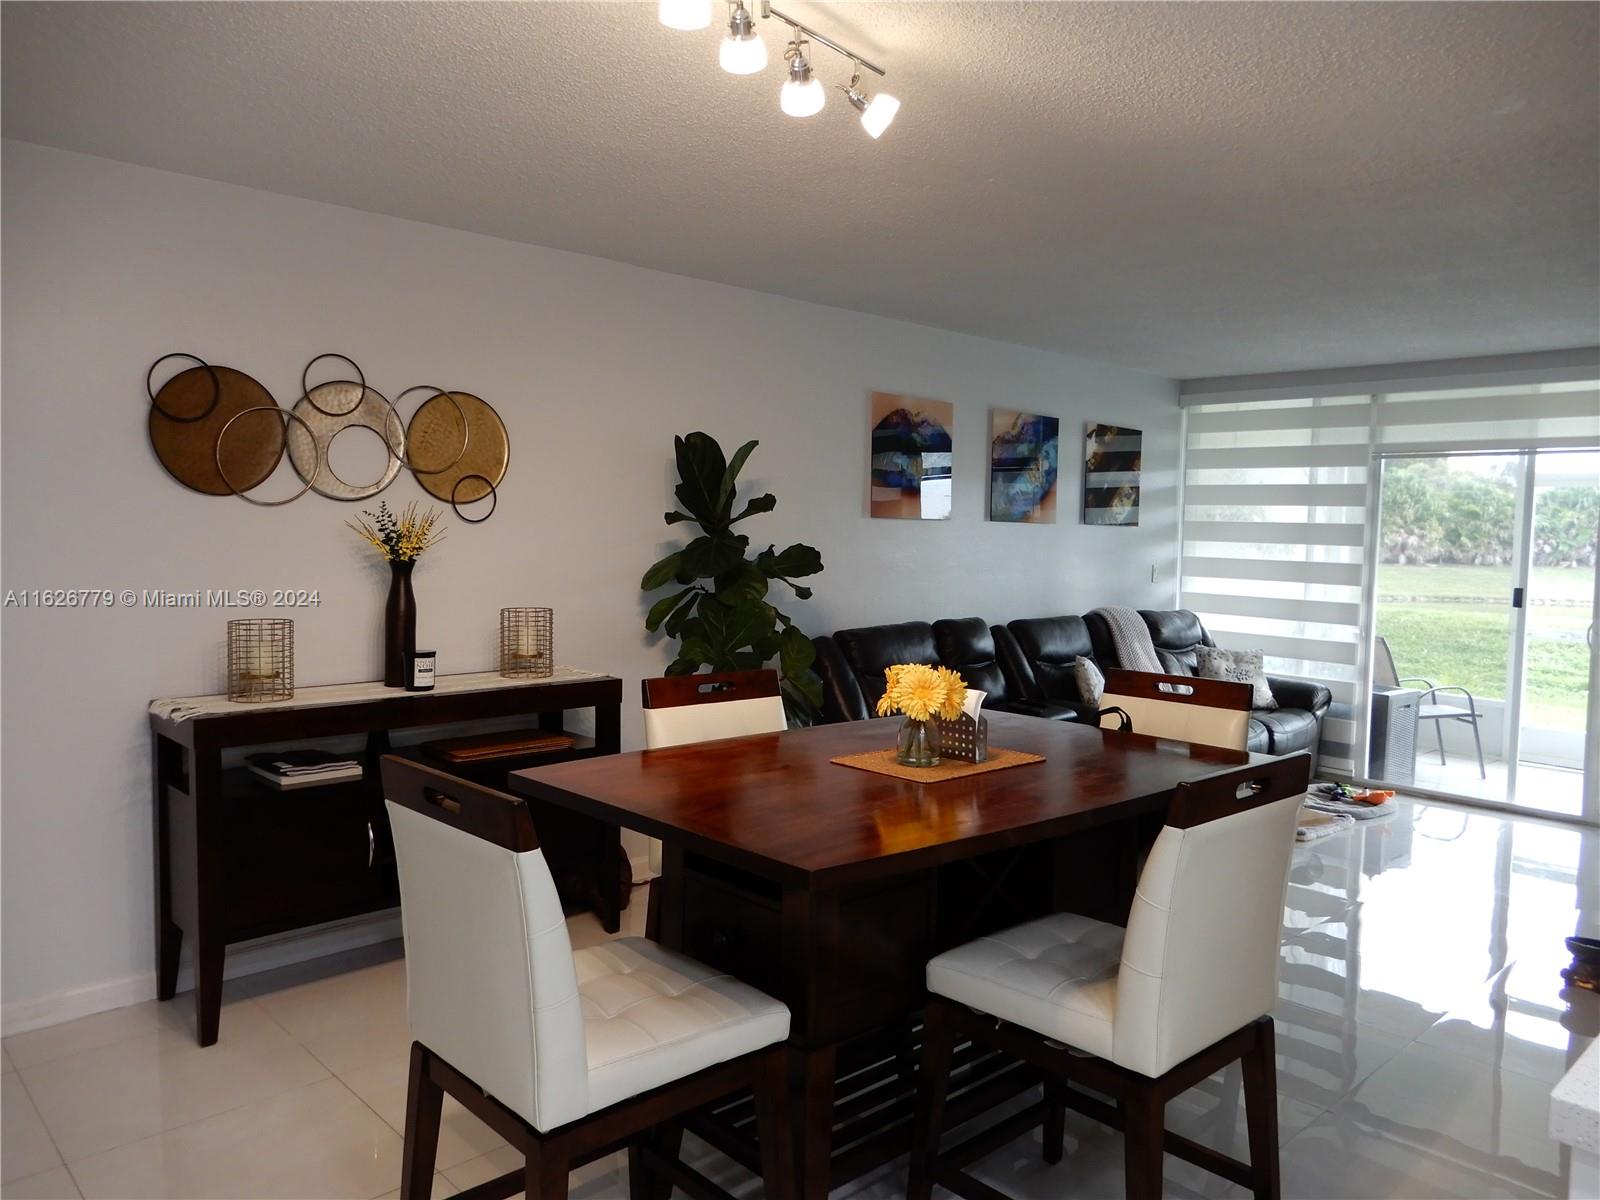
column 594, row 366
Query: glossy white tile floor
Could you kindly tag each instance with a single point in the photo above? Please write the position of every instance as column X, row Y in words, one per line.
column 1553, row 789
column 1421, row 1025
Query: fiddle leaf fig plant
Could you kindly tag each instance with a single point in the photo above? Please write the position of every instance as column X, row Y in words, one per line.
column 720, row 610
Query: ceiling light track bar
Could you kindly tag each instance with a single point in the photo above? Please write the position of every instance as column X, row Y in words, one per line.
column 768, row 11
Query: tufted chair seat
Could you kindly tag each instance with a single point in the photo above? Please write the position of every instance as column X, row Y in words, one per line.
column 651, row 1016
column 1057, row 975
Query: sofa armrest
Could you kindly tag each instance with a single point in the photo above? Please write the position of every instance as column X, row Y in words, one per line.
column 841, row 694
column 1300, row 693
column 1018, row 675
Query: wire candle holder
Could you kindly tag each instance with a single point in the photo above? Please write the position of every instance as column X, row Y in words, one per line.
column 527, row 643
column 260, row 660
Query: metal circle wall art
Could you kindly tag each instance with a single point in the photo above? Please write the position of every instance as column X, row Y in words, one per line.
column 482, row 464
column 359, row 384
column 455, row 444
column 183, row 417
column 326, row 411
column 456, row 500
column 288, row 419
column 187, row 416
column 445, row 445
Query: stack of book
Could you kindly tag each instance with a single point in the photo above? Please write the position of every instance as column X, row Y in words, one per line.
column 303, row 768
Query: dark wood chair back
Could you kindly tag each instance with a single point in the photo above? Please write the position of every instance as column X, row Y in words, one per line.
column 1179, row 689
column 1239, row 790
column 674, row 691
column 470, row 807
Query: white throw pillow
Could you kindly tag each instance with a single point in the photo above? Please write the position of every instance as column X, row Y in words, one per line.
column 1091, row 684
column 1238, row 666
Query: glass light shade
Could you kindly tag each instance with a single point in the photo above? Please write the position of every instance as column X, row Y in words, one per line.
column 743, row 55
column 879, row 113
column 802, row 99
column 685, row 14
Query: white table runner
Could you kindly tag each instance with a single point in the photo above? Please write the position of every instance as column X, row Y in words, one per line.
column 185, row 708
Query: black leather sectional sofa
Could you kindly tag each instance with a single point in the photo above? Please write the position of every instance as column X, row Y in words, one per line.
column 1027, row 667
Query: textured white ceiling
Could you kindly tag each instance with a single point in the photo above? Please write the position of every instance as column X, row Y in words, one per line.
column 1195, row 189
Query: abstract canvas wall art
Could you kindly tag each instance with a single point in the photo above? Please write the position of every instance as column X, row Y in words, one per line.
column 910, row 456
column 1024, row 455
column 1111, row 460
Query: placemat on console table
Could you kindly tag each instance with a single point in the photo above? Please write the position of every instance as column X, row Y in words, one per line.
column 882, row 763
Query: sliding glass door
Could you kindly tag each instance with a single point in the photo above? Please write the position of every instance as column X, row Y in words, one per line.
column 1557, row 635
column 1483, row 652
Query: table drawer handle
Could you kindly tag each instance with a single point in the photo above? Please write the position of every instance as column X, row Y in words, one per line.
column 372, row 845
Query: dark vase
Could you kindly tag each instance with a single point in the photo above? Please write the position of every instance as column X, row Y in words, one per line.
column 399, row 624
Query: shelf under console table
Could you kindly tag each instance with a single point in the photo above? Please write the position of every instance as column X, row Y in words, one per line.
column 237, row 858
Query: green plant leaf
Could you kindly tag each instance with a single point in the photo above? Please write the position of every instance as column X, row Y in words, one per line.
column 673, row 625
column 701, row 469
column 662, row 609
column 763, row 503
column 727, row 630
column 796, row 561
column 730, row 476
column 711, row 555
column 683, row 666
column 742, row 585
column 672, row 518
column 662, row 573
column 795, row 652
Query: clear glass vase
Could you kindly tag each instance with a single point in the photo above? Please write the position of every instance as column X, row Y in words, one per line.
column 918, row 744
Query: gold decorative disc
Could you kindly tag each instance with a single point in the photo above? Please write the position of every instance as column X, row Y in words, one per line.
column 435, row 436
column 187, row 448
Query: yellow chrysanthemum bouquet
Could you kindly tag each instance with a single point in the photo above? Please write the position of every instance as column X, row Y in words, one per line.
column 921, row 693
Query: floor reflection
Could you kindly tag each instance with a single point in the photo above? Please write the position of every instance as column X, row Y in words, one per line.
column 1421, row 1024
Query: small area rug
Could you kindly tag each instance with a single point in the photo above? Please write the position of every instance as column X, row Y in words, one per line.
column 882, row 762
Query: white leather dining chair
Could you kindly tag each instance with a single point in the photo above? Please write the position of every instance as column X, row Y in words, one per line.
column 1142, row 1013
column 680, row 709
column 565, row 1054
column 1185, row 708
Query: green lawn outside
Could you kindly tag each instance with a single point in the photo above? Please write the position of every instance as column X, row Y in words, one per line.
column 1467, row 644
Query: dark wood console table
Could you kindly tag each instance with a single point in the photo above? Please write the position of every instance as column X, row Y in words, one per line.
column 237, row 858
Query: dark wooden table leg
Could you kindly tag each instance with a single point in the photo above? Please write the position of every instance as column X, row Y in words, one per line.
column 169, row 937
column 814, row 1130
column 608, row 895
column 210, row 934
column 668, row 897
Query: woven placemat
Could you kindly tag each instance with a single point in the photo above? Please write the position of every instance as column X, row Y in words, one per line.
column 882, row 762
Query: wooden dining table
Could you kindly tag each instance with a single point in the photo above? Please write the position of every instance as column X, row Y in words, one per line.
column 830, row 887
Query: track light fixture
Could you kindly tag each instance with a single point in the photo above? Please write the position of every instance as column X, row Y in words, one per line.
column 877, row 112
column 802, row 95
column 743, row 51
column 684, row 14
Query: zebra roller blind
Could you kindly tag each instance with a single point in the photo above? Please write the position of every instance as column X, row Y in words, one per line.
column 1276, row 505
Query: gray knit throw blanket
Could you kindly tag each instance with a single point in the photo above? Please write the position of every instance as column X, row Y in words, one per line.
column 1130, row 637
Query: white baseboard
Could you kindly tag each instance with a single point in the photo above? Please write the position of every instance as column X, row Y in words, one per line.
column 246, row 958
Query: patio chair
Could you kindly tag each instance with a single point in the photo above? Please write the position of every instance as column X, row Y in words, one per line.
column 1385, row 675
